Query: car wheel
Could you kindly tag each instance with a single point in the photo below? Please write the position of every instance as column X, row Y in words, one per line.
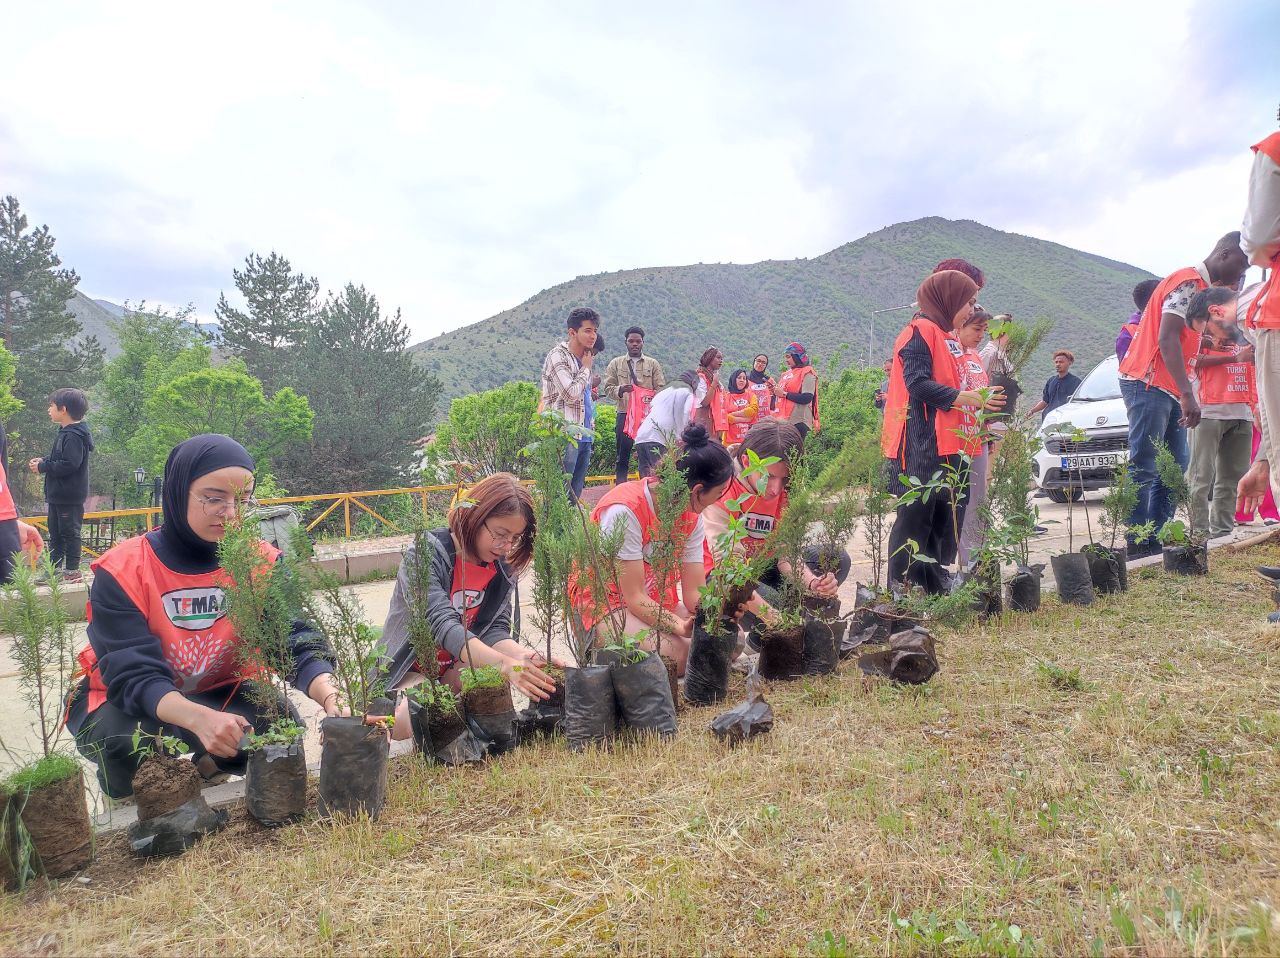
column 1060, row 495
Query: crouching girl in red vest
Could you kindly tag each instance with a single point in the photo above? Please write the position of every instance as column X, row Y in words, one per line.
column 641, row 601
column 823, row 572
column 472, row 571
column 924, row 424
column 161, row 651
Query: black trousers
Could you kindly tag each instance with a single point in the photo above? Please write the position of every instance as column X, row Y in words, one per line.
column 929, row 524
column 65, row 523
column 647, row 456
column 106, row 736
column 10, row 548
column 625, row 444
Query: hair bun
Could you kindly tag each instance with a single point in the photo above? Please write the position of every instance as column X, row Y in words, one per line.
column 695, row 436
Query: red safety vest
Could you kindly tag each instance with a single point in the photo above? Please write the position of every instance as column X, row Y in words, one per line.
column 792, row 381
column 1264, row 311
column 7, row 508
column 736, row 402
column 630, row 494
column 973, row 375
column 638, row 402
column 759, row 514
column 185, row 612
column 947, row 424
column 712, row 403
column 1143, row 360
column 764, row 399
column 1133, row 331
column 1227, row 382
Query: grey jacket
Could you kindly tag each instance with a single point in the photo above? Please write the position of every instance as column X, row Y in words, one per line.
column 493, row 618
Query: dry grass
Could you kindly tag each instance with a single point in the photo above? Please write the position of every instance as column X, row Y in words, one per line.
column 1132, row 807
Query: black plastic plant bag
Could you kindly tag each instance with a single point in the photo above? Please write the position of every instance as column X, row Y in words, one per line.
column 1071, row 573
column 491, row 717
column 275, row 788
column 174, row 832
column 538, row 721
column 353, row 767
column 1024, row 588
column 823, row 632
column 747, row 719
column 706, row 675
column 590, row 706
column 644, row 696
column 1104, row 569
column 911, row 657
column 781, row 653
column 1122, row 562
column 1187, row 560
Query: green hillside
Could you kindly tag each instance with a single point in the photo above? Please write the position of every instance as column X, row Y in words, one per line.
column 822, row 302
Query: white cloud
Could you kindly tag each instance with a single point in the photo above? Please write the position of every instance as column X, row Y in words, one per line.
column 458, row 159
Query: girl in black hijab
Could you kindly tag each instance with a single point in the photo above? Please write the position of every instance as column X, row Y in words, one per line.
column 161, row 651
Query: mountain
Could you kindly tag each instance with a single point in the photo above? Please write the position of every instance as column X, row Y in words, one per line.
column 822, row 302
column 114, row 309
column 95, row 317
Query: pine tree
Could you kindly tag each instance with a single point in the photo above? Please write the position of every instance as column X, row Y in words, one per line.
column 371, row 400
column 37, row 328
column 281, row 308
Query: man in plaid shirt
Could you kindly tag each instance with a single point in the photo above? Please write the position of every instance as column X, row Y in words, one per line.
column 566, row 375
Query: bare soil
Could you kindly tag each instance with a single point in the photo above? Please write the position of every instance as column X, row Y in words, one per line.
column 162, row 784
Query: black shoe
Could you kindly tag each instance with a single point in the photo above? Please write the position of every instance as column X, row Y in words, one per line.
column 1271, row 572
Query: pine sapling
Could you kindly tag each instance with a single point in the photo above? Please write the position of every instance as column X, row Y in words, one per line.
column 42, row 646
column 263, row 600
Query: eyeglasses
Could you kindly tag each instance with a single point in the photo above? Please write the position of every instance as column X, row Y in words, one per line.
column 215, row 506
column 502, row 540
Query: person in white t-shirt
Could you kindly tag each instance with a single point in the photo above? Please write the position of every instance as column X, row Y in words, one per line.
column 671, row 410
column 662, row 612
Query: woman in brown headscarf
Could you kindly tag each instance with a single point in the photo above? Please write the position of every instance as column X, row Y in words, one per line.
column 709, row 413
column 923, row 423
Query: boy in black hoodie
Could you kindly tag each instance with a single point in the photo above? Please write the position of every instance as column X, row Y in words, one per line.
column 66, row 479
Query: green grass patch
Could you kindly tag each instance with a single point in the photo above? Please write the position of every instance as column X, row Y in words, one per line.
column 45, row 771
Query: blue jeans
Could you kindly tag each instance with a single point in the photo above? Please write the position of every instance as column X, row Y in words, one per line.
column 576, row 460
column 1153, row 414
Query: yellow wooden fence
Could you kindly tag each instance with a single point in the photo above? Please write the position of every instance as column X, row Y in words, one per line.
column 345, row 500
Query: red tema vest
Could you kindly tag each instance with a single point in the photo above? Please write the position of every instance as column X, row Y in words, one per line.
column 7, row 508
column 791, row 382
column 947, row 424
column 1264, row 311
column 185, row 612
column 1227, row 382
column 1143, row 360
column 736, row 402
column 760, row 515
column 764, row 399
column 632, row 495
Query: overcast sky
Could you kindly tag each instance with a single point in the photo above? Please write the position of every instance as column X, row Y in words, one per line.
column 458, row 158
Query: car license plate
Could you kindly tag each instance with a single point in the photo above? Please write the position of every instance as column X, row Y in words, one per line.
column 1072, row 463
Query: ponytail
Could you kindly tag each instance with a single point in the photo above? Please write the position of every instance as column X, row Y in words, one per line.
column 703, row 462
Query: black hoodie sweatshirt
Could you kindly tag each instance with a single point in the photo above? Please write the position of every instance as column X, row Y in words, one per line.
column 66, row 468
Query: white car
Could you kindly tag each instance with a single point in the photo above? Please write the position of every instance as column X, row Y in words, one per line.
column 1064, row 467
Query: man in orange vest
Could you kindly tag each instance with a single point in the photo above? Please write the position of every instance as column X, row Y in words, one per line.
column 1154, row 380
column 1260, row 239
